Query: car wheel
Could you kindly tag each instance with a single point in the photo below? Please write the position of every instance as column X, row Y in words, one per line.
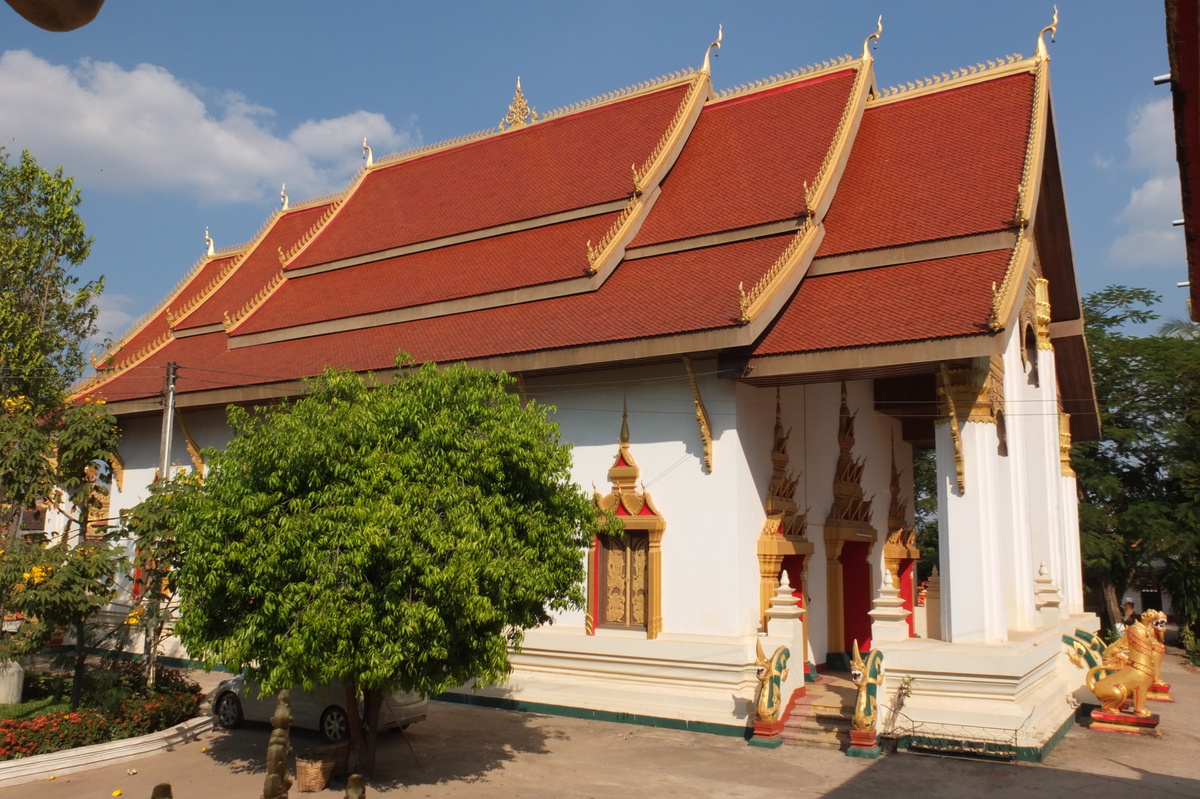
column 228, row 710
column 335, row 724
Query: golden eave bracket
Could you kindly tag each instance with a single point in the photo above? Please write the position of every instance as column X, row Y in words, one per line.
column 701, row 415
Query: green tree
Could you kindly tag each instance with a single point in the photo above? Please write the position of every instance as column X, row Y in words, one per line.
column 394, row 536
column 46, row 317
column 1133, row 514
column 46, row 313
column 150, row 525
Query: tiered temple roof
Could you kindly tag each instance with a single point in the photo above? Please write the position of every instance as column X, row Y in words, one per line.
column 806, row 227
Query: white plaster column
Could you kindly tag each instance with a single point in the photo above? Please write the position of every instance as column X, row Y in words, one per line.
column 973, row 602
column 1072, row 584
column 1029, row 506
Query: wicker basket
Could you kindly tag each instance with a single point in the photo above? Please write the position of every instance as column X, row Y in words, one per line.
column 340, row 753
column 312, row 773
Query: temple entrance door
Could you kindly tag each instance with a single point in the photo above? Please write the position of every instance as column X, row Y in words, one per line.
column 857, row 592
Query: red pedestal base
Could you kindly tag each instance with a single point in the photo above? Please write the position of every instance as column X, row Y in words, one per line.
column 766, row 734
column 865, row 739
column 1127, row 723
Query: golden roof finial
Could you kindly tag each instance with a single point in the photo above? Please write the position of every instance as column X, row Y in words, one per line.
column 367, row 152
column 283, row 198
column 519, row 113
column 208, row 242
column 624, row 439
column 867, row 46
column 1042, row 55
column 711, row 52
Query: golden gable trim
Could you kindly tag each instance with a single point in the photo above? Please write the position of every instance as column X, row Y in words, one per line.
column 1005, row 65
column 794, row 76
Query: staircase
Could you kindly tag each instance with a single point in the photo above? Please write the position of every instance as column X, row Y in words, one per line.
column 821, row 717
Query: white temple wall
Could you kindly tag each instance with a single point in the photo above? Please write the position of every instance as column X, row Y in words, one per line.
column 700, row 545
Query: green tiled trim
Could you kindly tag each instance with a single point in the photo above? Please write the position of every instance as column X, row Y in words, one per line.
column 729, row 730
column 1038, row 754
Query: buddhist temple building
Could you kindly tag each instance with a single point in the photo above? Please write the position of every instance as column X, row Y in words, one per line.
column 746, row 335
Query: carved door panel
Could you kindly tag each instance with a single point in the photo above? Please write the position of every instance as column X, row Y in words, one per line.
column 623, row 580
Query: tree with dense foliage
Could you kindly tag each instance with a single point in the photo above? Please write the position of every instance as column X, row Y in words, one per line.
column 47, row 315
column 394, row 536
column 150, row 526
column 1135, row 515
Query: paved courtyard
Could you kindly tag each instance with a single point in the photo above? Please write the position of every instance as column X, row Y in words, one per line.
column 463, row 751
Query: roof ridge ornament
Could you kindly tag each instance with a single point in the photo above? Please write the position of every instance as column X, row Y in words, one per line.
column 711, row 52
column 867, row 44
column 1042, row 55
column 367, row 153
column 283, row 198
column 208, row 242
column 519, row 113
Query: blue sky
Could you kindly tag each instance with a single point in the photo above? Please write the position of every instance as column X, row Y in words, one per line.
column 176, row 116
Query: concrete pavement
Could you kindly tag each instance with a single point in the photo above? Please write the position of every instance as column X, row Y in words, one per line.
column 463, row 751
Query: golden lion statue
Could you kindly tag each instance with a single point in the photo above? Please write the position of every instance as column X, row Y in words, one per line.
column 1130, row 669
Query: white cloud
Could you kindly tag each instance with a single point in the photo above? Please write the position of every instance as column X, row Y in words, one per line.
column 143, row 130
column 1149, row 239
column 114, row 318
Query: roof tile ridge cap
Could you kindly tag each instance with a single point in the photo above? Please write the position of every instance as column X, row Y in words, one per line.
column 661, row 83
column 219, row 279
column 818, row 195
column 648, row 177
column 794, row 76
column 110, row 373
column 146, row 318
column 337, row 203
column 392, row 159
column 1035, row 145
column 750, row 302
column 1005, row 65
column 1003, row 296
column 231, row 321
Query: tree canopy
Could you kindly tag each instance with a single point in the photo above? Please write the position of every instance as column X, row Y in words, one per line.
column 1137, row 514
column 47, row 314
column 393, row 536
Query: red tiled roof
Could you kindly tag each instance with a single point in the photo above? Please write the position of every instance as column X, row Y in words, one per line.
column 924, row 168
column 254, row 272
column 154, row 328
column 747, row 159
column 527, row 258
column 569, row 162
column 935, row 166
column 888, row 305
column 642, row 299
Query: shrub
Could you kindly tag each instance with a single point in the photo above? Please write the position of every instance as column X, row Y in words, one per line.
column 144, row 715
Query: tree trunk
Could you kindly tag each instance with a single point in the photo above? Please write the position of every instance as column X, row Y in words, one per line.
column 372, row 701
column 1112, row 602
column 80, row 665
column 357, row 744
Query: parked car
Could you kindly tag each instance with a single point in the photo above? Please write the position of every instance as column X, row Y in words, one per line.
column 322, row 709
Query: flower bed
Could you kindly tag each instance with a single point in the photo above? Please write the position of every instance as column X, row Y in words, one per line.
column 56, row 731
column 120, row 711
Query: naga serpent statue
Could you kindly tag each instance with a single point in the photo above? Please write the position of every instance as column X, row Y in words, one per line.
column 1130, row 669
column 279, row 750
column 867, row 675
column 771, row 673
